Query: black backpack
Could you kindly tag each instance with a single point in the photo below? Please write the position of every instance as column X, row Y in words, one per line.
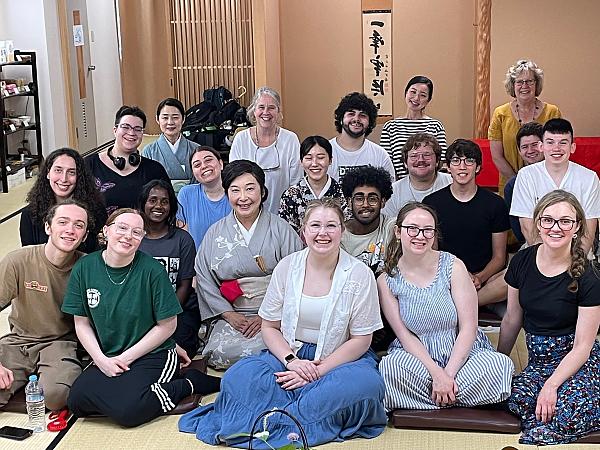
column 198, row 116
column 218, row 96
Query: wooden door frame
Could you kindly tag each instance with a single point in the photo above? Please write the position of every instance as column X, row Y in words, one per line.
column 64, row 32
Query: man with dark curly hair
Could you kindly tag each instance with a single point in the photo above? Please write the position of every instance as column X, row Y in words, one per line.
column 355, row 119
column 368, row 232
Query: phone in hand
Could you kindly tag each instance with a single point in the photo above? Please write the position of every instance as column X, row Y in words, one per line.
column 15, row 433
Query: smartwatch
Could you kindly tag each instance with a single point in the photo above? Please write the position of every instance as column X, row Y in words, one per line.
column 289, row 358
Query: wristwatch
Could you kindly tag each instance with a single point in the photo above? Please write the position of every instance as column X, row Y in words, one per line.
column 289, row 358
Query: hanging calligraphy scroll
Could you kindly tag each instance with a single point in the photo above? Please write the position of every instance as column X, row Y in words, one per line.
column 377, row 58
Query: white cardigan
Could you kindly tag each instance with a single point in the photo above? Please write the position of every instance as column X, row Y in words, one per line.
column 353, row 308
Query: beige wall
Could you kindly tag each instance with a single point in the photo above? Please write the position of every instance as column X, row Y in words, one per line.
column 563, row 39
column 321, row 58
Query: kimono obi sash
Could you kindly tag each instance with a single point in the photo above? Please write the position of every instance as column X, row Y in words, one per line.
column 245, row 294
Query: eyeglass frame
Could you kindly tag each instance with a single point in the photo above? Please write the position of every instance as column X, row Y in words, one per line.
column 322, row 226
column 417, row 156
column 456, row 160
column 557, row 222
column 268, row 169
column 129, row 129
column 420, row 230
column 128, row 229
column 364, row 197
column 528, row 82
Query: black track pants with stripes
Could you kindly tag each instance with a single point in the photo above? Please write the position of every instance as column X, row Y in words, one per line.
column 147, row 390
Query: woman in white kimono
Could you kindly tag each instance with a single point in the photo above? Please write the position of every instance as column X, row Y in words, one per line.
column 275, row 149
column 234, row 265
column 172, row 149
column 319, row 315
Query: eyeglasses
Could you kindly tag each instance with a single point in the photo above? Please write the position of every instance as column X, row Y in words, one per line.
column 372, row 199
column 455, row 161
column 123, row 229
column 129, row 129
column 316, row 227
column 412, row 231
column 270, row 164
column 416, row 156
column 522, row 82
column 547, row 223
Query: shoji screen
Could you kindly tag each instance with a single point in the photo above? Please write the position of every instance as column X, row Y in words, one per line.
column 212, row 46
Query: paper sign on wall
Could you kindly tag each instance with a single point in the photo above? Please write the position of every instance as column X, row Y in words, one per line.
column 377, row 59
column 78, row 35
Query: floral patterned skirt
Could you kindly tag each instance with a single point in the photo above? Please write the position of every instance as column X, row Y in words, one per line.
column 578, row 398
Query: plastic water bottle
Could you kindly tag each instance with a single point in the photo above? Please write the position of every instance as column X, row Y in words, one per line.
column 36, row 407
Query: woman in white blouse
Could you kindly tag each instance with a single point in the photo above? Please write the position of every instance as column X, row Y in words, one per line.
column 272, row 147
column 319, row 315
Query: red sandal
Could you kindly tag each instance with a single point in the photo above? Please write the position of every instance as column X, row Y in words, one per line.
column 58, row 420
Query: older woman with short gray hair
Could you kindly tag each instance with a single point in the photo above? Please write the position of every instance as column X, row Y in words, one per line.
column 275, row 149
column 524, row 82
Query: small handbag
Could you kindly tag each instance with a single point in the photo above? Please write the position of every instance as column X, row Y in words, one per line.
column 280, row 411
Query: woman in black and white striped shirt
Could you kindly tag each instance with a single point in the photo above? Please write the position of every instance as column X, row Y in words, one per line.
column 395, row 133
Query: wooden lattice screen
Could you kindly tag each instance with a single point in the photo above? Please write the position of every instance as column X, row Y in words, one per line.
column 212, row 46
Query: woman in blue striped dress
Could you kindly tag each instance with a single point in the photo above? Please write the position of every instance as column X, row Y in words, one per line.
column 439, row 358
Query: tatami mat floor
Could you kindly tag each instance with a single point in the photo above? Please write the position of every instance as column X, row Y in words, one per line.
column 91, row 434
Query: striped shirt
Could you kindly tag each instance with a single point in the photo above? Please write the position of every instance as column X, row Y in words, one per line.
column 396, row 132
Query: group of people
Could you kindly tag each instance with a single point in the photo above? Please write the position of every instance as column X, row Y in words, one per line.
column 281, row 277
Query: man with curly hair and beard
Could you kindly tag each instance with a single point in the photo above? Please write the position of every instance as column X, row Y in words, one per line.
column 368, row 232
column 355, row 119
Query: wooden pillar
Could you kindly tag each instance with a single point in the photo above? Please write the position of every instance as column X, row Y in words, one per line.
column 483, row 23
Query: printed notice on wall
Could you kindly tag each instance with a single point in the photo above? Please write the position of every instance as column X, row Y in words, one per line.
column 377, row 59
column 78, row 35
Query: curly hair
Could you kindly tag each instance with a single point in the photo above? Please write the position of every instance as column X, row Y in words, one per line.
column 394, row 250
column 359, row 101
column 516, row 70
column 376, row 177
column 41, row 196
column 578, row 259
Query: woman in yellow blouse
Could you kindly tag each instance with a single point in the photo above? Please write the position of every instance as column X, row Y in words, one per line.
column 524, row 82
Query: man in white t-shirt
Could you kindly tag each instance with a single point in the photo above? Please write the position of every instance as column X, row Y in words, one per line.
column 536, row 180
column 556, row 172
column 355, row 118
column 422, row 156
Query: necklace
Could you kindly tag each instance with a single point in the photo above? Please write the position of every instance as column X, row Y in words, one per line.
column 110, row 278
column 532, row 117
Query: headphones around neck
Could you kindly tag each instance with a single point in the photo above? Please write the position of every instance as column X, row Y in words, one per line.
column 119, row 162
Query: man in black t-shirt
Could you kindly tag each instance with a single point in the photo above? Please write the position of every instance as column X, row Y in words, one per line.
column 473, row 222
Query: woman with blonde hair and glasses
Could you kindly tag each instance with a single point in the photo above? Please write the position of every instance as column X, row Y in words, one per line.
column 125, row 311
column 524, row 82
column 318, row 318
column 440, row 358
column 275, row 149
column 554, row 294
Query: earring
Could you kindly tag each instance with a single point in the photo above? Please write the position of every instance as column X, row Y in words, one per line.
column 574, row 236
